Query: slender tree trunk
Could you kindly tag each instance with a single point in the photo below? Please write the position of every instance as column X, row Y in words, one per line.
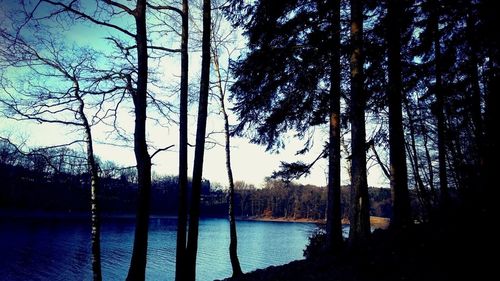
column 334, row 216
column 137, row 268
column 94, row 188
column 192, row 244
column 180, row 264
column 430, row 168
column 379, row 161
column 359, row 218
column 233, row 244
column 474, row 82
column 398, row 170
column 94, row 209
column 416, row 165
column 441, row 122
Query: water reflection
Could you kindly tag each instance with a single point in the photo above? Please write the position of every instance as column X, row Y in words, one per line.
column 60, row 249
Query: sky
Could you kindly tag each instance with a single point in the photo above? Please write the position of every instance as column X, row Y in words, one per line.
column 251, row 163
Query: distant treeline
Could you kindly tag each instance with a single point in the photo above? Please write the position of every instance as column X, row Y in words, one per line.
column 56, row 180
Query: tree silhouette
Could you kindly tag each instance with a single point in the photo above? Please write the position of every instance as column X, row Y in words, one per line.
column 220, row 44
column 398, row 174
column 194, row 214
column 359, row 218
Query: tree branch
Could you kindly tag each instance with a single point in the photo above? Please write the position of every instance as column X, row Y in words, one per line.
column 382, row 165
column 88, row 17
column 160, row 150
column 170, row 8
column 121, row 6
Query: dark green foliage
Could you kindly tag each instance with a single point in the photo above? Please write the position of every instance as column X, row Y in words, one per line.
column 317, row 243
column 282, row 81
column 291, row 171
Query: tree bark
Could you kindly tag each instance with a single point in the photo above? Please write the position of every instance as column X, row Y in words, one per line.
column 441, row 125
column 94, row 188
column 137, row 268
column 359, row 217
column 233, row 244
column 334, row 215
column 194, row 214
column 180, row 264
column 398, row 170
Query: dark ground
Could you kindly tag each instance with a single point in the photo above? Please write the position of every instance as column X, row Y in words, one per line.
column 456, row 246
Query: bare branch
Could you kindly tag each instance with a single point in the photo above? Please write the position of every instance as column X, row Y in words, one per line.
column 170, row 8
column 160, row 150
column 88, row 17
column 121, row 6
column 379, row 161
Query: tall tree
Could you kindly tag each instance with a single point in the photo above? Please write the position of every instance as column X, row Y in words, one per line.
column 180, row 264
column 137, row 268
column 137, row 86
column 94, row 188
column 334, row 215
column 70, row 81
column 292, row 36
column 434, row 19
column 398, row 171
column 359, row 218
column 194, row 214
column 219, row 42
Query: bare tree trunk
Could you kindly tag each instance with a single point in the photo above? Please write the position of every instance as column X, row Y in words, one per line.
column 233, row 244
column 137, row 268
column 441, row 122
column 383, row 167
column 415, row 163
column 180, row 264
column 94, row 188
column 430, row 167
column 398, row 170
column 192, row 243
column 334, row 216
column 359, row 218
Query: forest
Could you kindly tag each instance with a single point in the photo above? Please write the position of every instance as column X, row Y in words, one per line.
column 408, row 85
column 32, row 185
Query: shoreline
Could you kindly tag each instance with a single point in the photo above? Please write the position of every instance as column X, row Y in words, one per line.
column 375, row 222
column 280, row 219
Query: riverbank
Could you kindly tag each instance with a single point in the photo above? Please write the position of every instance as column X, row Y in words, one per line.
column 442, row 249
column 410, row 256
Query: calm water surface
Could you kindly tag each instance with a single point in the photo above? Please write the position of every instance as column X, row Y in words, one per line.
column 42, row 250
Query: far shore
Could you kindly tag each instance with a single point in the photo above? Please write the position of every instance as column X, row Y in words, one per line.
column 376, row 222
column 280, row 219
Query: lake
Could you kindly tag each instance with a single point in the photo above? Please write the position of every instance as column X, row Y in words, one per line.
column 42, row 249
